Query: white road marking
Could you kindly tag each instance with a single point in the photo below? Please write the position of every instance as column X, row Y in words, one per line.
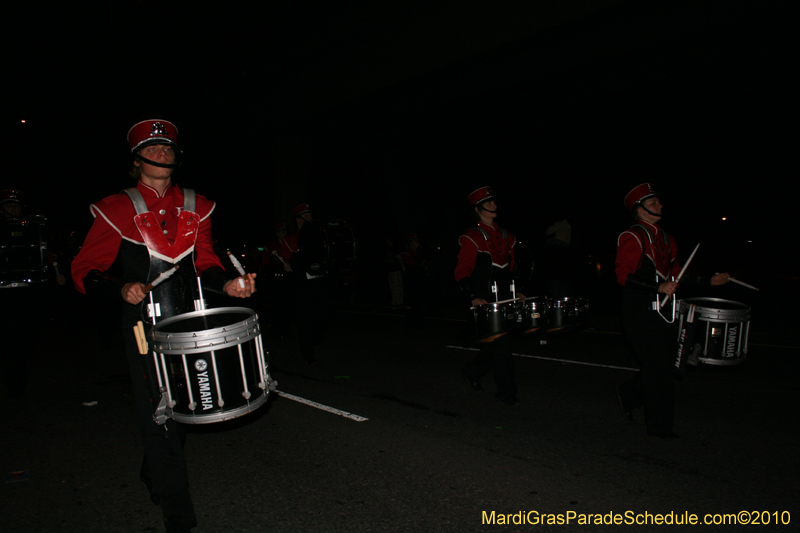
column 333, row 410
column 551, row 359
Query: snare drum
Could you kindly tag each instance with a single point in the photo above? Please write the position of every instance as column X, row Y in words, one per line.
column 533, row 312
column 721, row 331
column 495, row 319
column 210, row 365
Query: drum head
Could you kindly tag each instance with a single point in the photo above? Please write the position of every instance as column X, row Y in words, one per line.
column 204, row 321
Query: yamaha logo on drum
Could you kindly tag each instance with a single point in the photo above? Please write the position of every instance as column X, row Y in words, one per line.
column 200, row 365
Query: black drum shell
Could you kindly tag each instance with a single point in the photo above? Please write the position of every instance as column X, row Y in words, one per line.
column 722, row 330
column 220, row 363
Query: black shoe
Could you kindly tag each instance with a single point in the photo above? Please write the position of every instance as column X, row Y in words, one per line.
column 666, row 435
column 508, row 400
column 473, row 382
column 624, row 410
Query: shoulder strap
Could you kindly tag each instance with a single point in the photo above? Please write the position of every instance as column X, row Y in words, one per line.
column 137, row 200
column 189, row 202
column 482, row 232
column 646, row 231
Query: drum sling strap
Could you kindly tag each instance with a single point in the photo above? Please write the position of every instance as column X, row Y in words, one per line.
column 181, row 293
column 503, row 235
column 137, row 199
column 485, row 233
column 652, row 239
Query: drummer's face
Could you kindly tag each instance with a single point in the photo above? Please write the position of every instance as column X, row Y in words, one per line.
column 490, row 205
column 654, row 205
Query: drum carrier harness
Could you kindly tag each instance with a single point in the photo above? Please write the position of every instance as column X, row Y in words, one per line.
column 182, row 292
column 658, row 276
column 495, row 272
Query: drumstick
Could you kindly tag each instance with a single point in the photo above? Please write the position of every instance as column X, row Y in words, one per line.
column 279, row 257
column 141, row 340
column 160, row 279
column 680, row 274
column 238, row 266
column 742, row 283
column 143, row 337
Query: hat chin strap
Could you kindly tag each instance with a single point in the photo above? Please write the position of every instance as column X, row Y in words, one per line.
column 149, row 162
column 654, row 214
column 487, row 210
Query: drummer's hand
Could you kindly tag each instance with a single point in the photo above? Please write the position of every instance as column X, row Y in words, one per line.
column 233, row 288
column 668, row 288
column 133, row 293
column 479, row 301
column 287, row 267
column 720, row 279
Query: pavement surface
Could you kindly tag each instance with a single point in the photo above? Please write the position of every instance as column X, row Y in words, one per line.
column 433, row 455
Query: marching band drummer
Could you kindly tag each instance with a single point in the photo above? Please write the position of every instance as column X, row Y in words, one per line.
column 311, row 283
column 646, row 265
column 486, row 258
column 172, row 227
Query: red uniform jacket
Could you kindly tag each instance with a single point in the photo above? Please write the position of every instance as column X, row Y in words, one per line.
column 634, row 246
column 114, row 221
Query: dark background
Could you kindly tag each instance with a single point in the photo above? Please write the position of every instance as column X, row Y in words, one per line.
column 387, row 115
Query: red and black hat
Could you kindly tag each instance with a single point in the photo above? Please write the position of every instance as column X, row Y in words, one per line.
column 639, row 194
column 153, row 131
column 280, row 226
column 12, row 195
column 478, row 196
column 300, row 209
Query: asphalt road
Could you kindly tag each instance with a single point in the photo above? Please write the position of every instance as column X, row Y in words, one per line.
column 432, row 455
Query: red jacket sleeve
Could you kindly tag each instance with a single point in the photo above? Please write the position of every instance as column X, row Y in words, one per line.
column 99, row 250
column 466, row 257
column 629, row 256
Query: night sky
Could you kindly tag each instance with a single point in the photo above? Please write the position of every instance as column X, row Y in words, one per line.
column 388, row 115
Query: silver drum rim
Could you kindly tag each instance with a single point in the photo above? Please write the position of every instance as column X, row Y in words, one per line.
column 708, row 312
column 192, row 342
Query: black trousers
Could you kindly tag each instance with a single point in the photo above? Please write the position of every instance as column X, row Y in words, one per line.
column 163, row 466
column 495, row 357
column 655, row 344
